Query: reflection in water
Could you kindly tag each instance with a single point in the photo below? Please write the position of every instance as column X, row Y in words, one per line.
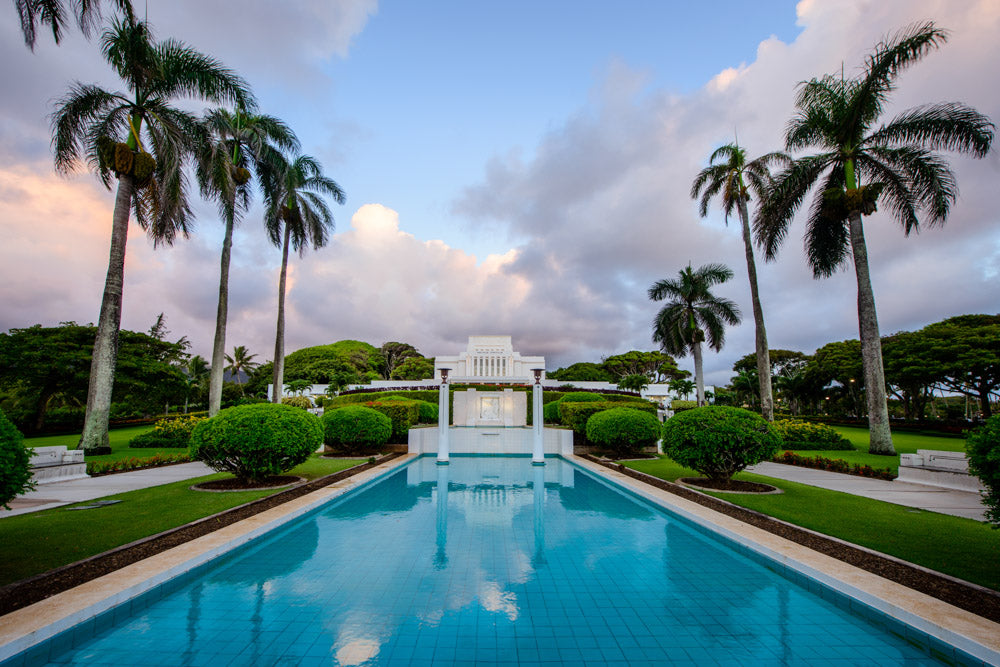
column 193, row 615
column 476, row 562
column 538, row 484
column 441, row 555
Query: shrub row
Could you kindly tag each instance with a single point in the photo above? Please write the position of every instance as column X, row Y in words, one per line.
column 623, row 431
column 575, row 415
column 798, row 434
column 356, row 429
column 174, row 432
column 834, row 465
column 15, row 462
column 95, row 468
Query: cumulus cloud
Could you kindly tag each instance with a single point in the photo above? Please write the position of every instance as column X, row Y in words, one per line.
column 595, row 212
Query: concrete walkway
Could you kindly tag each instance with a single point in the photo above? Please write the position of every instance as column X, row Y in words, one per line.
column 55, row 494
column 932, row 498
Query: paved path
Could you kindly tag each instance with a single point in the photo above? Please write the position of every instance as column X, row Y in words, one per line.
column 54, row 494
column 935, row 499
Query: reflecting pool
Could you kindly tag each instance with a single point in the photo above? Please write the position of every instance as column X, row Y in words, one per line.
column 487, row 561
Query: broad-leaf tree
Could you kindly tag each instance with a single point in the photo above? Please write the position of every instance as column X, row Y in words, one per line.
column 140, row 137
column 238, row 143
column 296, row 217
column 693, row 315
column 864, row 161
column 56, row 14
column 731, row 176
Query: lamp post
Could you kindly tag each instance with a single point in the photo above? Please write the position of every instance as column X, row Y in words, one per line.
column 444, row 418
column 537, row 417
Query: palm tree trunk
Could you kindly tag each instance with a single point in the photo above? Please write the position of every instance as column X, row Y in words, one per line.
column 698, row 378
column 279, row 339
column 102, row 364
column 763, row 356
column 880, row 436
column 221, row 315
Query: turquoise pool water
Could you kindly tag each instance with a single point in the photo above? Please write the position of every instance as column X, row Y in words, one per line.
column 487, row 561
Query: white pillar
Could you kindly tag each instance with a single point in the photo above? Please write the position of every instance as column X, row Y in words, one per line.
column 444, row 419
column 537, row 420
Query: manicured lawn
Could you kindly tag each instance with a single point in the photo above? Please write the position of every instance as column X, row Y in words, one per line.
column 119, row 438
column 39, row 541
column 905, row 443
column 960, row 547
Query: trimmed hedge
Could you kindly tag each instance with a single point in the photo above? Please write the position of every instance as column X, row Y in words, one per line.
column 983, row 450
column 798, row 434
column 403, row 413
column 550, row 412
column 168, row 433
column 15, row 463
column 677, row 405
column 575, row 415
column 719, row 441
column 256, row 441
column 355, row 428
column 623, row 431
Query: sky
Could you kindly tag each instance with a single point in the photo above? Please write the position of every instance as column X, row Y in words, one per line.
column 515, row 168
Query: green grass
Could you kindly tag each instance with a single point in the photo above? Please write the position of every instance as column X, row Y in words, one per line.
column 119, row 439
column 963, row 548
column 39, row 541
column 905, row 443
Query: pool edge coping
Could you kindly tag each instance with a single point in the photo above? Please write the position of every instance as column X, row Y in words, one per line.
column 977, row 636
column 29, row 626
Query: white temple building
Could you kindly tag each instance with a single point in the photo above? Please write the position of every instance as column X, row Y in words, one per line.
column 489, row 358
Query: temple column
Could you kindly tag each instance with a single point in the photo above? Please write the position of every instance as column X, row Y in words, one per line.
column 444, row 418
column 537, row 420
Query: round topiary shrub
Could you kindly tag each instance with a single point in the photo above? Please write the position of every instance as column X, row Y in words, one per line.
column 983, row 450
column 719, row 441
column 15, row 463
column 550, row 412
column 356, row 428
column 623, row 431
column 257, row 441
column 798, row 434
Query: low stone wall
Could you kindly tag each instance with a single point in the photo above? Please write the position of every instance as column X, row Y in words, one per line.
column 57, row 464
column 948, row 470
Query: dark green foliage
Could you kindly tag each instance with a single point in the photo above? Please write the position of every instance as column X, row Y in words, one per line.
column 356, row 428
column 403, row 413
column 677, row 405
column 575, row 415
column 581, row 397
column 719, row 441
column 583, row 371
column 550, row 412
column 344, row 362
column 49, row 367
column 797, row 434
column 427, row 412
column 256, row 441
column 983, row 450
column 15, row 463
column 623, row 431
column 414, row 368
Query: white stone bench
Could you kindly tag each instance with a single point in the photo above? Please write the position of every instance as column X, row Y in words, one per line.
column 57, row 464
column 949, row 470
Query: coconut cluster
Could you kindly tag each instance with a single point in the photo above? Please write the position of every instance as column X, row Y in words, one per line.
column 121, row 159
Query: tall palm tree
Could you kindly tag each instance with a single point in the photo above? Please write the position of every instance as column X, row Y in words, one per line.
column 241, row 362
column 862, row 164
column 53, row 13
column 239, row 141
column 735, row 178
column 693, row 315
column 89, row 120
column 296, row 216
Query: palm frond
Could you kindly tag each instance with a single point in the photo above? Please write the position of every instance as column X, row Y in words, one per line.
column 946, row 126
column 827, row 238
column 777, row 208
column 186, row 72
